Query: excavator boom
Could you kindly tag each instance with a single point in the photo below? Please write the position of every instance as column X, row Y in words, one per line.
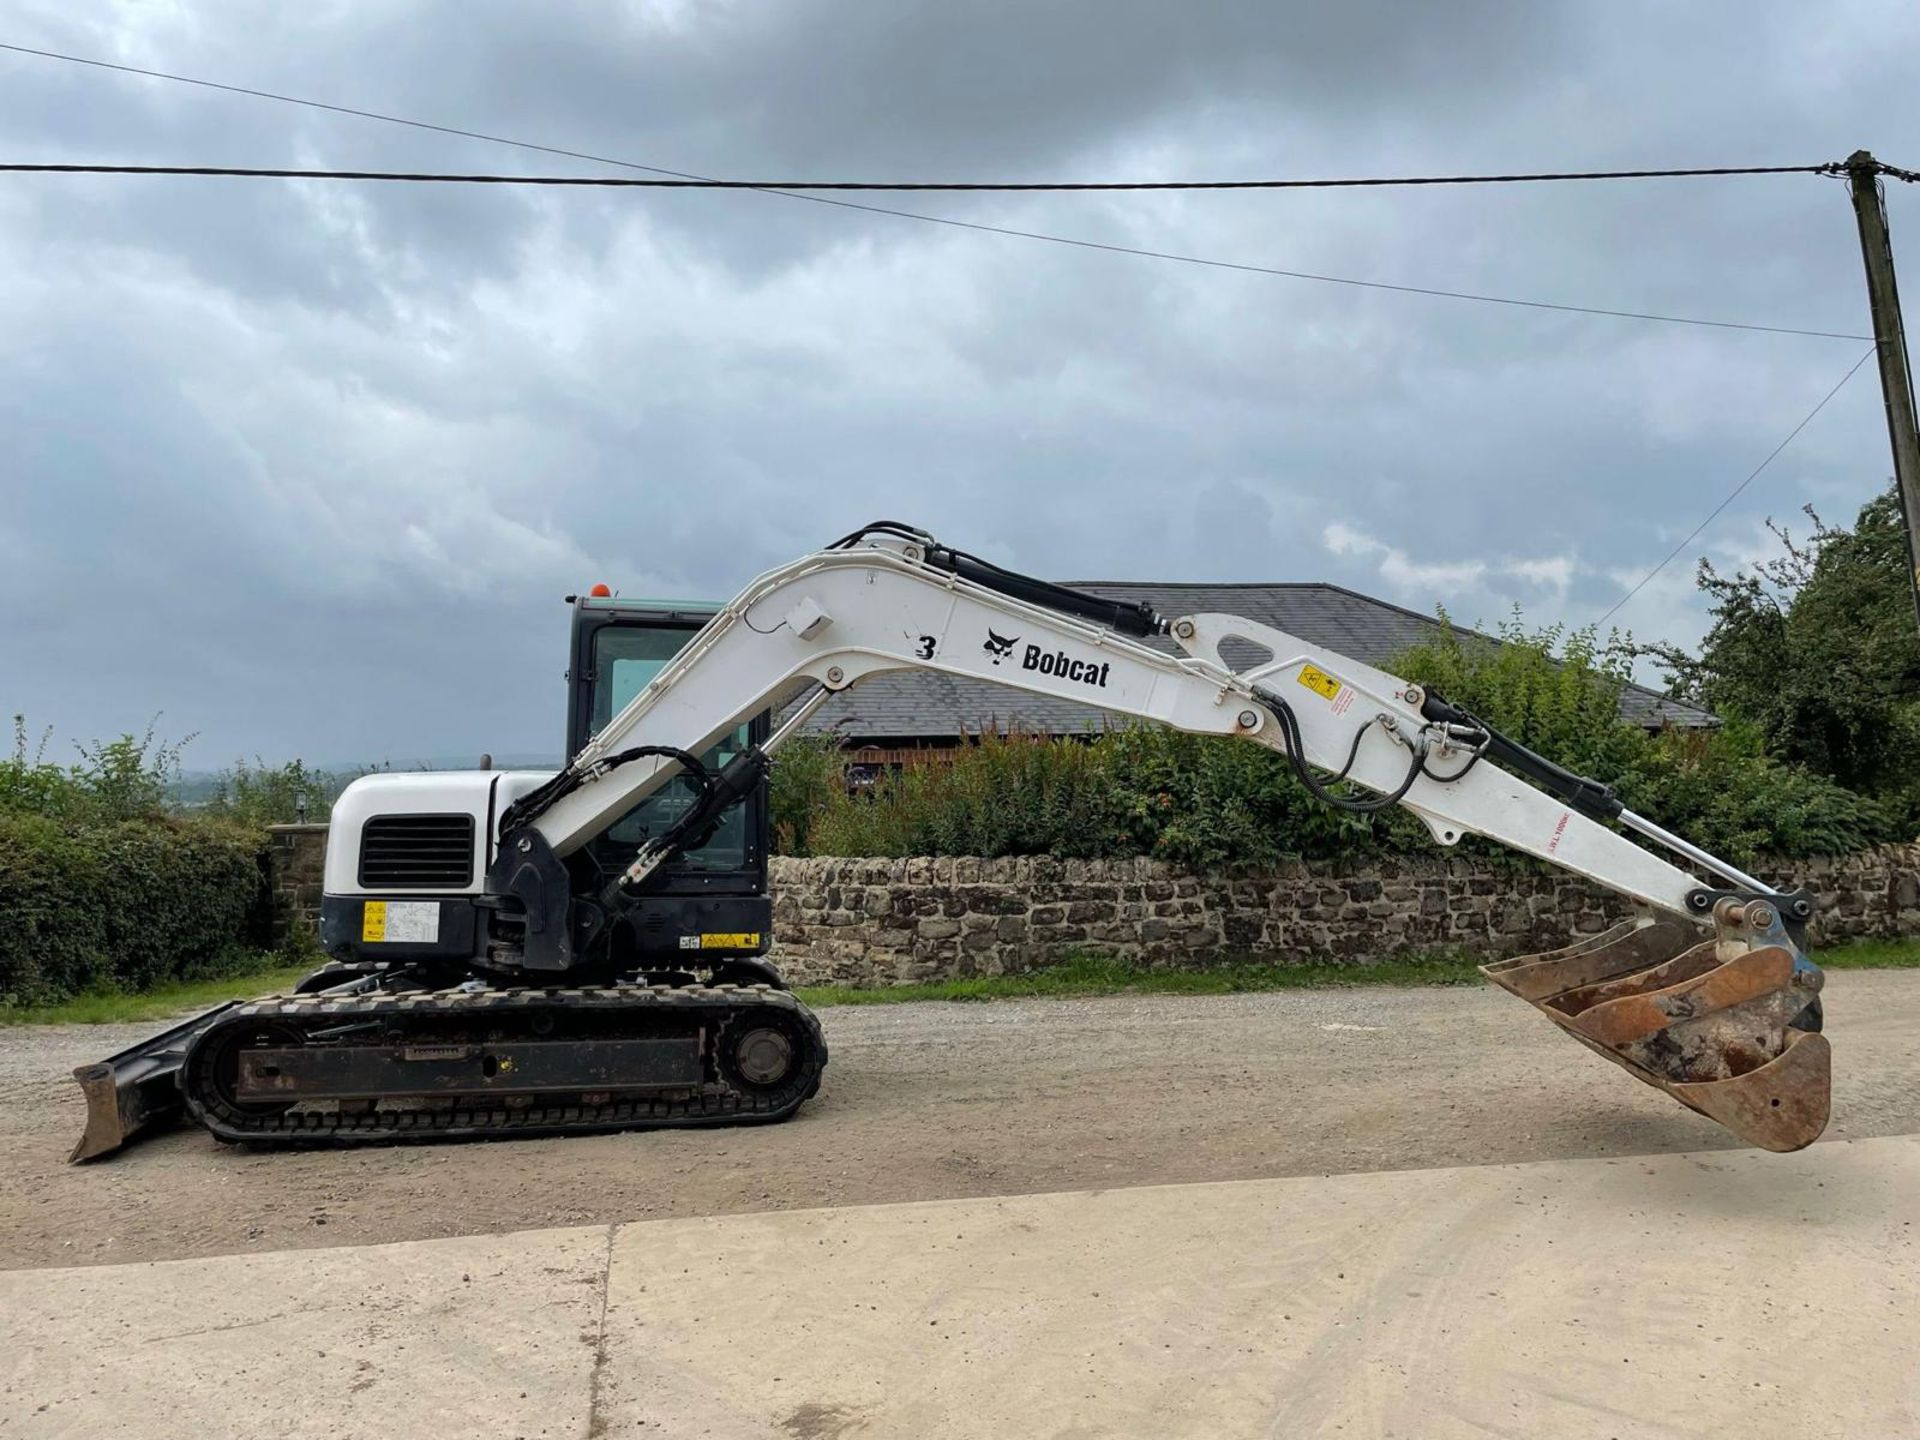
column 1726, row 1025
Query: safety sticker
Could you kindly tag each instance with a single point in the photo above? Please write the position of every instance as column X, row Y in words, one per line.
column 731, row 940
column 400, row 922
column 1318, row 681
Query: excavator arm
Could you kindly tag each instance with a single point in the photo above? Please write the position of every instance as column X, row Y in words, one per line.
column 1727, row 1025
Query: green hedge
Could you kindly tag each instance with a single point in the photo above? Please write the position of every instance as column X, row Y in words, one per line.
column 1205, row 802
column 125, row 905
column 1196, row 800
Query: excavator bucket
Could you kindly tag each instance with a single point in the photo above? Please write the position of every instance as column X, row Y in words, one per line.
column 1728, row 1027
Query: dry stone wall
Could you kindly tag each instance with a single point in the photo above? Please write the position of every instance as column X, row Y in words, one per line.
column 885, row 922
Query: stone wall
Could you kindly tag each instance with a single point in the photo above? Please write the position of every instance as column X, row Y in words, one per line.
column 882, row 922
column 296, row 858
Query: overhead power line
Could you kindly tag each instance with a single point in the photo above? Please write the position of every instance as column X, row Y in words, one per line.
column 1734, row 494
column 993, row 186
column 925, row 219
column 622, row 182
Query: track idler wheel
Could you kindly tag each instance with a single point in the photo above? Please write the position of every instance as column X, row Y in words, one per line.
column 763, row 1050
column 1729, row 1028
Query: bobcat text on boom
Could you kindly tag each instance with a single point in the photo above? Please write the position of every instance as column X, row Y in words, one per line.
column 1057, row 663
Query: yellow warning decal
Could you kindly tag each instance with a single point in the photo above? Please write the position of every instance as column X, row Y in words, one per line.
column 734, row 940
column 373, row 921
column 1318, row 681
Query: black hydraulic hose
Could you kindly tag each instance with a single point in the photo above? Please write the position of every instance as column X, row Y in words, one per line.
column 1590, row 797
column 689, row 762
column 881, row 527
column 1296, row 756
column 1460, row 774
column 741, row 776
column 1353, row 750
column 1128, row 617
column 535, row 803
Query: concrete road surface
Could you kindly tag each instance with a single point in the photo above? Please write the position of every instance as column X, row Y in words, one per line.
column 1411, row 1213
column 1726, row 1293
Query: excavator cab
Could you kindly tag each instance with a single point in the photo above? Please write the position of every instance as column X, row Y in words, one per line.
column 710, row 901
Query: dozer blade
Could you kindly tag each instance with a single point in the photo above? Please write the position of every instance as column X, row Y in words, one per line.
column 1727, row 1027
column 137, row 1089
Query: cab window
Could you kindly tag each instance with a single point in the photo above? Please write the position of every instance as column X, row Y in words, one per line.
column 625, row 660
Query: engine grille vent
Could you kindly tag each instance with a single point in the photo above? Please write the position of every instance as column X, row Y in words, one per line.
column 409, row 852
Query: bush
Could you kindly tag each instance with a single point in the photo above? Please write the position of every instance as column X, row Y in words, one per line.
column 807, row 770
column 1207, row 801
column 30, row 786
column 1195, row 800
column 102, row 889
column 124, row 905
column 1720, row 792
column 1018, row 795
column 124, row 779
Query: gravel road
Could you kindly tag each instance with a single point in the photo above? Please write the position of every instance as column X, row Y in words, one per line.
column 931, row 1101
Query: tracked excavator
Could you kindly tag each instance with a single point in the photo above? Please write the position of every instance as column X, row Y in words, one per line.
column 522, row 953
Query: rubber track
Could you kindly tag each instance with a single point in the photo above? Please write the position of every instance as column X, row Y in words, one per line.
column 471, row 1117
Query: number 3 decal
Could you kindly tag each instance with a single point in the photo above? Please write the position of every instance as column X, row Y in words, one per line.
column 925, row 650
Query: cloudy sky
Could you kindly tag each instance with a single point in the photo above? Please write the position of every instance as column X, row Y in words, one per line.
column 307, row 467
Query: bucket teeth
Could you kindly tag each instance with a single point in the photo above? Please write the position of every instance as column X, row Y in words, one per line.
column 1718, row 1027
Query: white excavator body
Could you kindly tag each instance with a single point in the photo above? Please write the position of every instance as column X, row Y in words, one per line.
column 448, row 894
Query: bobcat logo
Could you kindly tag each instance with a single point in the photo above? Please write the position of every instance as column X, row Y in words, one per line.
column 999, row 646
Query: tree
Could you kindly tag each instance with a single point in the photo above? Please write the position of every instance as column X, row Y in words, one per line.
column 1558, row 692
column 1816, row 650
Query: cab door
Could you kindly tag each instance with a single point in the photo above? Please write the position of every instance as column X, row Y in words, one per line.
column 618, row 647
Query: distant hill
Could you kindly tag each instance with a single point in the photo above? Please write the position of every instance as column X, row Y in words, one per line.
column 509, row 760
column 196, row 788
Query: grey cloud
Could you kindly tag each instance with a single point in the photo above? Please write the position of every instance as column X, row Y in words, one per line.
column 334, row 454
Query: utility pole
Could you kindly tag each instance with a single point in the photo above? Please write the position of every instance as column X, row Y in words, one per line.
column 1896, row 379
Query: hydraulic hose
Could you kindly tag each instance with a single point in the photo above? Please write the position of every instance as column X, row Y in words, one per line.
column 1296, row 757
column 537, row 802
column 1128, row 617
column 1590, row 797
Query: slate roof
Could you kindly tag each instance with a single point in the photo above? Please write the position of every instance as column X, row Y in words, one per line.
column 923, row 706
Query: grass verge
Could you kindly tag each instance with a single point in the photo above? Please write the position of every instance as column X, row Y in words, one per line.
column 1096, row 975
column 1871, row 955
column 161, row 1003
column 1093, row 975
